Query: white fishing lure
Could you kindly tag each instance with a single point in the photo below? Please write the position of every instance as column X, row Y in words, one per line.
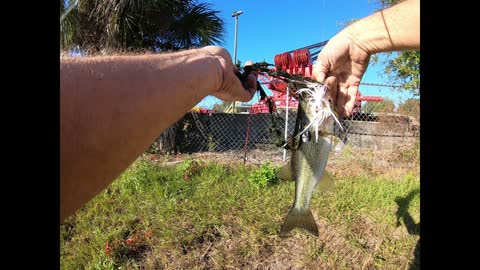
column 319, row 106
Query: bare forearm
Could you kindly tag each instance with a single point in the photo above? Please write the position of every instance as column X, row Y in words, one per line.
column 112, row 108
column 393, row 29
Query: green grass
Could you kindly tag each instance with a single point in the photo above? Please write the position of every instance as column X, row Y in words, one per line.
column 198, row 215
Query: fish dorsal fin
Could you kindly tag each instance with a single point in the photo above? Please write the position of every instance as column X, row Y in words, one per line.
column 326, row 183
column 285, row 173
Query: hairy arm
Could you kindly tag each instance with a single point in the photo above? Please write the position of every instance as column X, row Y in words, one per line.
column 393, row 29
column 343, row 61
column 112, row 108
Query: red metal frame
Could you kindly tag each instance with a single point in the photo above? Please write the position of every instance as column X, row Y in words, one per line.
column 297, row 62
column 300, row 64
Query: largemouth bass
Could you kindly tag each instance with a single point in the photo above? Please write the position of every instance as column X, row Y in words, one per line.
column 311, row 144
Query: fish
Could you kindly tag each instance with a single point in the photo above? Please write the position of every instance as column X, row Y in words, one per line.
column 311, row 143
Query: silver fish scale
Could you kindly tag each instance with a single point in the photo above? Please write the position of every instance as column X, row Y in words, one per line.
column 309, row 155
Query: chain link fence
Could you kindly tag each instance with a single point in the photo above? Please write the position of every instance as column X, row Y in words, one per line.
column 372, row 125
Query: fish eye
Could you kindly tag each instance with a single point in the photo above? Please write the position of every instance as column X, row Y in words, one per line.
column 306, row 136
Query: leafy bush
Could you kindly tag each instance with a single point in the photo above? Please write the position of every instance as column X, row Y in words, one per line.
column 264, row 176
column 188, row 168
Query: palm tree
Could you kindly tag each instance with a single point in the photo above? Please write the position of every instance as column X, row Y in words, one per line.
column 196, row 26
column 114, row 25
column 156, row 25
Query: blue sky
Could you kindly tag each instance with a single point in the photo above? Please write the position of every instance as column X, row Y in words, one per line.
column 268, row 27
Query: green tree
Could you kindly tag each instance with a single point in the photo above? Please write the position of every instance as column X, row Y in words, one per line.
column 116, row 25
column 221, row 106
column 385, row 106
column 402, row 67
column 410, row 107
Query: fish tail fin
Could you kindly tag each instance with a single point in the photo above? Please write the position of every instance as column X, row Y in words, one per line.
column 301, row 218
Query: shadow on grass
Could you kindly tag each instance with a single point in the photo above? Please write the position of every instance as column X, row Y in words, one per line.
column 412, row 227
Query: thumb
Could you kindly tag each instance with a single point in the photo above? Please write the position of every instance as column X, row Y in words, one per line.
column 319, row 72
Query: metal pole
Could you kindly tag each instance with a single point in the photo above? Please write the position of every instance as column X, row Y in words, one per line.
column 235, row 14
column 286, row 126
column 246, row 140
column 235, row 41
column 235, row 51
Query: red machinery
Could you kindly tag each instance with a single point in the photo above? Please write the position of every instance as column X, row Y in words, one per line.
column 357, row 108
column 296, row 62
column 278, row 99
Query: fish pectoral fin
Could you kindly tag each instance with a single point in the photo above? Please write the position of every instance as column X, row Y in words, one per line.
column 299, row 218
column 337, row 144
column 291, row 143
column 326, row 183
column 285, row 173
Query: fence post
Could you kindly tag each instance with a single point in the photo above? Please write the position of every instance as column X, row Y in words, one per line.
column 286, row 125
column 246, row 140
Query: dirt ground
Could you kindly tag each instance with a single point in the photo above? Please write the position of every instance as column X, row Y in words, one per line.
column 351, row 161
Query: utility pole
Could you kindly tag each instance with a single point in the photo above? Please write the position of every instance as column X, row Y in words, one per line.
column 235, row 15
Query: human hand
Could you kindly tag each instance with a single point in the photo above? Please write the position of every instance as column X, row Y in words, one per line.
column 230, row 87
column 341, row 65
